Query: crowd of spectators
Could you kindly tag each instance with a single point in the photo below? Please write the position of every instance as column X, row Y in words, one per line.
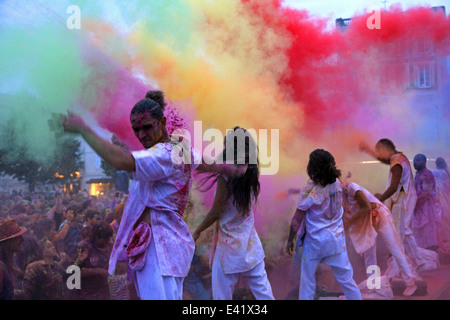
column 42, row 234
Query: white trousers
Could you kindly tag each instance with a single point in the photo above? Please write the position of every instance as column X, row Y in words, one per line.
column 151, row 285
column 342, row 270
column 403, row 225
column 385, row 228
column 223, row 284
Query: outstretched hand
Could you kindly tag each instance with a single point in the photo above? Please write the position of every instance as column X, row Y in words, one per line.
column 60, row 123
column 231, row 170
column 73, row 123
column 364, row 146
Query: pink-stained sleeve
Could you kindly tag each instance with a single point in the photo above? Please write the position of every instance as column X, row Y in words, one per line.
column 152, row 164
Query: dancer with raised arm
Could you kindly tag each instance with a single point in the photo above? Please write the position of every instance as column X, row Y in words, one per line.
column 152, row 231
column 400, row 196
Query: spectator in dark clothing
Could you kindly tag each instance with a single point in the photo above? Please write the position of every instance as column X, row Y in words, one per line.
column 70, row 233
column 44, row 279
column 10, row 243
column 93, row 259
column 91, row 216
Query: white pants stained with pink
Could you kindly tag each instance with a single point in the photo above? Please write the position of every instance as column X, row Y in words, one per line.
column 386, row 230
column 403, row 224
column 151, row 285
column 223, row 284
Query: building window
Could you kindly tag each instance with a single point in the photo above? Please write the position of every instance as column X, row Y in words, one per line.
column 98, row 162
column 422, row 75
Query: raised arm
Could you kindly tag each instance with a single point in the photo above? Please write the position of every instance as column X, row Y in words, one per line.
column 61, row 235
column 364, row 146
column 112, row 154
column 226, row 169
column 216, row 209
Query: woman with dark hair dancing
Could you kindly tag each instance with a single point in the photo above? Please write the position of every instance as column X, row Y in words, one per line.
column 237, row 249
column 319, row 227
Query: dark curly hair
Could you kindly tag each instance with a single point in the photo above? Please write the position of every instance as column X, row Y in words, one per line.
column 322, row 167
column 100, row 230
column 153, row 102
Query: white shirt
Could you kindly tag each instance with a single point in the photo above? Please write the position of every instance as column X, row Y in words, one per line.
column 351, row 201
column 237, row 243
column 163, row 186
column 406, row 180
column 361, row 232
column 325, row 234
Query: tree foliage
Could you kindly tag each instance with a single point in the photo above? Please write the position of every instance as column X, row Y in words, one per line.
column 62, row 167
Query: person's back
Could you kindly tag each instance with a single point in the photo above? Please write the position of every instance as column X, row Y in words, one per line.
column 323, row 220
column 43, row 281
column 319, row 214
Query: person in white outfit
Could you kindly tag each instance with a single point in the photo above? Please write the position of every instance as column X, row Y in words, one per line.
column 365, row 217
column 319, row 227
column 236, row 250
column 400, row 197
